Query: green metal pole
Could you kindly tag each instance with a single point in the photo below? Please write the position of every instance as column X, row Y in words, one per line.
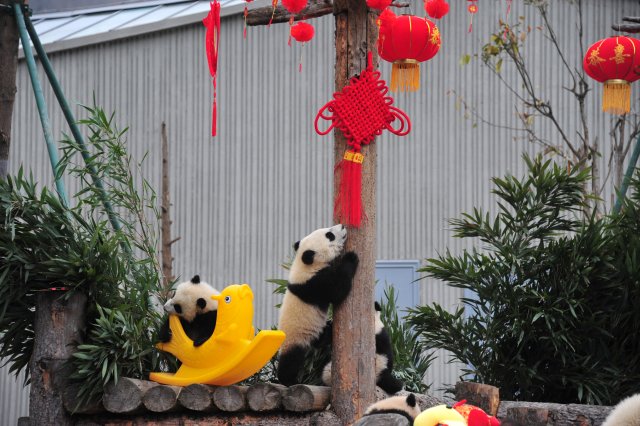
column 57, row 89
column 627, row 176
column 42, row 106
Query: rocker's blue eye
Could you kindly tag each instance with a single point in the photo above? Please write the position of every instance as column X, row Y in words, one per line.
column 227, row 299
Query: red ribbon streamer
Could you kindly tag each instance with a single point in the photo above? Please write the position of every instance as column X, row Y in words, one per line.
column 212, row 41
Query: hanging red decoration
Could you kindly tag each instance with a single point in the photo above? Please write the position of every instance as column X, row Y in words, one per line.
column 361, row 111
column 302, row 32
column 472, row 8
column 614, row 61
column 245, row 14
column 436, row 8
column 379, row 4
column 212, row 41
column 294, row 6
column 407, row 40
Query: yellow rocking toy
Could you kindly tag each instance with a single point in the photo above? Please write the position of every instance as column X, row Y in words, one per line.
column 231, row 354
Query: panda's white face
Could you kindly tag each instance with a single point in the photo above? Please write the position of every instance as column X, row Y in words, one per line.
column 192, row 298
column 315, row 251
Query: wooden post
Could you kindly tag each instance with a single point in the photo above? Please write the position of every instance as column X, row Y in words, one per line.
column 353, row 355
column 58, row 328
column 167, row 257
column 8, row 67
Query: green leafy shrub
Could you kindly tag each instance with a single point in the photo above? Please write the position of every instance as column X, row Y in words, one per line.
column 45, row 244
column 552, row 309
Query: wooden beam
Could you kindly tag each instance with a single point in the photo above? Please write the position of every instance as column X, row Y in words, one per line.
column 262, row 15
column 627, row 28
column 353, row 387
column 8, row 67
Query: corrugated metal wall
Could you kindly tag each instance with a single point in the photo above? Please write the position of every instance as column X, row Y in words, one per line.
column 242, row 199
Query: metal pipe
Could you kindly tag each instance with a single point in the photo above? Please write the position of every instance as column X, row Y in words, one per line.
column 627, row 176
column 42, row 106
column 68, row 115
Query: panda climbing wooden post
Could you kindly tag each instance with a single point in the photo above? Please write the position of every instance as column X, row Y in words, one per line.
column 353, row 388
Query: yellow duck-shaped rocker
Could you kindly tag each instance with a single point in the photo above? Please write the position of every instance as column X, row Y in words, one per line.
column 231, row 354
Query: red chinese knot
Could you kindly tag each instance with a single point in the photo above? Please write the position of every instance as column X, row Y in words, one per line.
column 614, row 61
column 362, row 112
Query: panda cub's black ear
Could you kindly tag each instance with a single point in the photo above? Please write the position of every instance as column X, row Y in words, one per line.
column 377, row 306
column 195, row 279
column 307, row 257
column 411, row 400
column 296, row 245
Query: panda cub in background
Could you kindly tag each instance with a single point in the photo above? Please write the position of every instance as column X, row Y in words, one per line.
column 384, row 358
column 320, row 275
column 626, row 413
column 197, row 311
column 405, row 405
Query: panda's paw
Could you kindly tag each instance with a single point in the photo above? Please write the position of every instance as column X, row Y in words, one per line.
column 350, row 262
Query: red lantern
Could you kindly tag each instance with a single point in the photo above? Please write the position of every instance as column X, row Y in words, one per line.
column 294, row 6
column 379, row 4
column 614, row 61
column 436, row 8
column 472, row 8
column 302, row 32
column 406, row 41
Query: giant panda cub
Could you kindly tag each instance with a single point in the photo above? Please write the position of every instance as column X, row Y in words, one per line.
column 626, row 413
column 384, row 358
column 197, row 311
column 320, row 275
column 405, row 405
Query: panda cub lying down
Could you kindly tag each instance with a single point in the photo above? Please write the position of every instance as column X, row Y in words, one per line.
column 197, row 311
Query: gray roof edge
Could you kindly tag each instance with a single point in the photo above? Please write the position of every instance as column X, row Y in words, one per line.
column 112, row 8
column 74, row 43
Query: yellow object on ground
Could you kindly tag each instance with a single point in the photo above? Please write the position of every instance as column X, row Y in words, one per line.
column 440, row 414
column 231, row 354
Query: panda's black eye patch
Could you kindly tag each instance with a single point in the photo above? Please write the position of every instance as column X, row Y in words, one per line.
column 177, row 308
column 307, row 257
column 296, row 245
column 330, row 236
column 201, row 303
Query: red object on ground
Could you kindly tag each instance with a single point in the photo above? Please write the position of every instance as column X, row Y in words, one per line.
column 614, row 61
column 302, row 32
column 212, row 41
column 436, row 8
column 361, row 111
column 406, row 40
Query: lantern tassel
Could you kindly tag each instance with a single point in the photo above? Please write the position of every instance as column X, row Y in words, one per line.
column 405, row 76
column 348, row 203
column 616, row 98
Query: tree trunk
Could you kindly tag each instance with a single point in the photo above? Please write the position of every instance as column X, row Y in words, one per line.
column 8, row 67
column 167, row 257
column 353, row 387
column 59, row 324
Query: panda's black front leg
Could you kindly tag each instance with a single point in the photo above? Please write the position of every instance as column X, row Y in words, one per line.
column 345, row 269
column 164, row 334
column 290, row 361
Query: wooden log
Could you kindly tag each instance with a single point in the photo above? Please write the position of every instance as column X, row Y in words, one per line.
column 484, row 396
column 301, row 398
column 627, row 28
column 24, row 421
column 59, row 325
column 383, row 420
column 70, row 401
column 529, row 416
column 230, row 398
column 198, row 397
column 265, row 397
column 559, row 414
column 126, row 396
column 324, row 418
column 262, row 15
column 162, row 399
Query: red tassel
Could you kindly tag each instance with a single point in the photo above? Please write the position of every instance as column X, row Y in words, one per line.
column 348, row 204
column 214, row 118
